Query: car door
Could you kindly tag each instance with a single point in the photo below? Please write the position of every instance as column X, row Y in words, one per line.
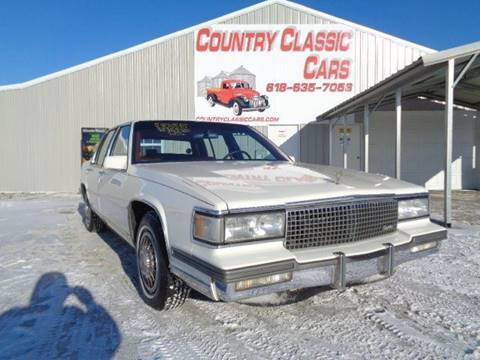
column 93, row 171
column 225, row 93
column 113, row 202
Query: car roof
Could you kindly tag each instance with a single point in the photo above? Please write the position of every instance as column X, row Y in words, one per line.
column 234, row 81
column 122, row 124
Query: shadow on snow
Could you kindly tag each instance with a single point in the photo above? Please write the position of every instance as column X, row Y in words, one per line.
column 59, row 322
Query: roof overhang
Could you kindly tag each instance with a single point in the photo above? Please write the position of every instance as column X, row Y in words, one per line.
column 424, row 78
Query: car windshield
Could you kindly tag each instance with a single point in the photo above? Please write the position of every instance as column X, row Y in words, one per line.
column 173, row 141
column 242, row 85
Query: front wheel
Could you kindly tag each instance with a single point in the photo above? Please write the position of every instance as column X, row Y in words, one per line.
column 160, row 288
column 237, row 108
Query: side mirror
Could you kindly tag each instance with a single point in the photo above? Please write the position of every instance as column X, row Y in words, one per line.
column 118, row 162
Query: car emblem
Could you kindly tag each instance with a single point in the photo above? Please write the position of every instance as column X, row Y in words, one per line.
column 387, row 227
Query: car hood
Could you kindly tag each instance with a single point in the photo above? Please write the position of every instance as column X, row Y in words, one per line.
column 245, row 184
column 249, row 93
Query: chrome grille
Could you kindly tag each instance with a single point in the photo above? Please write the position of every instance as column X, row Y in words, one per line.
column 258, row 101
column 340, row 222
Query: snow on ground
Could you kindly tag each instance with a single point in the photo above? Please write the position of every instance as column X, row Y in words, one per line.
column 67, row 293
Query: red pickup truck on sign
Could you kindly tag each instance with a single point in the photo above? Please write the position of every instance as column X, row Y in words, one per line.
column 238, row 95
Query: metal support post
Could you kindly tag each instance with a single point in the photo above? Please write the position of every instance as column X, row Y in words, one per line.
column 366, row 132
column 330, row 142
column 398, row 142
column 465, row 69
column 447, row 186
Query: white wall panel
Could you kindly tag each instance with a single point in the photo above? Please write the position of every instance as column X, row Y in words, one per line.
column 423, row 147
column 314, row 144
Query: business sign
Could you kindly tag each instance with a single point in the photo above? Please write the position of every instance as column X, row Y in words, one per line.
column 89, row 141
column 271, row 74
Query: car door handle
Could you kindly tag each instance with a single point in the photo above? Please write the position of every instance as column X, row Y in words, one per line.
column 116, row 182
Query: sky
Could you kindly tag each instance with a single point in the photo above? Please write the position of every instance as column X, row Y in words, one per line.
column 41, row 37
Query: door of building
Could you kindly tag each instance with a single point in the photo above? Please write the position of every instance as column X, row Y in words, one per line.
column 348, row 136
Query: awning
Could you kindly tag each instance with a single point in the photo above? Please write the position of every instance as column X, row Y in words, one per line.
column 423, row 78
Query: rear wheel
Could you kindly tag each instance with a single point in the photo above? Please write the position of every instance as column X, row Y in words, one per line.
column 91, row 220
column 211, row 100
column 160, row 288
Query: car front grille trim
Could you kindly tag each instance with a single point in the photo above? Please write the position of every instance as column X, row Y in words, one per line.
column 258, row 101
column 342, row 222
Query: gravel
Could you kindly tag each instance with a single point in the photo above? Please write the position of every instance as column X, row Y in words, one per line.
column 67, row 293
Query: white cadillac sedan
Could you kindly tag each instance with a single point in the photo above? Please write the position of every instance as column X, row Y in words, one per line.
column 220, row 209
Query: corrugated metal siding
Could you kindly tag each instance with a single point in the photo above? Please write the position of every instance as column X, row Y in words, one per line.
column 314, row 143
column 40, row 147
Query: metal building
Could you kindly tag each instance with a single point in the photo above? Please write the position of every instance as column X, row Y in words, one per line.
column 41, row 119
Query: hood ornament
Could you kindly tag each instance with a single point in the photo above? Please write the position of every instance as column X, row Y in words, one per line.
column 338, row 176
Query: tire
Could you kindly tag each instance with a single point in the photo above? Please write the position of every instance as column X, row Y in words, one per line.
column 211, row 100
column 159, row 287
column 91, row 220
column 261, row 110
column 237, row 108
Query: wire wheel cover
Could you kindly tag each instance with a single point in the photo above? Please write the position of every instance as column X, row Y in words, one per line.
column 88, row 214
column 147, row 262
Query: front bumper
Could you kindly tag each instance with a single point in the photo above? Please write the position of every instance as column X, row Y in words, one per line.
column 336, row 273
column 255, row 104
column 334, row 266
column 256, row 108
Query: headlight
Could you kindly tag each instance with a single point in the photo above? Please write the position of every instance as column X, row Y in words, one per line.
column 244, row 98
column 254, row 226
column 242, row 227
column 413, row 208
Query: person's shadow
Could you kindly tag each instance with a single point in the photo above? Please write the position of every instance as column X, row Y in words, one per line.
column 48, row 328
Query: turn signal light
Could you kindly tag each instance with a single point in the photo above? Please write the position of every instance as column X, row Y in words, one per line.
column 423, row 247
column 262, row 281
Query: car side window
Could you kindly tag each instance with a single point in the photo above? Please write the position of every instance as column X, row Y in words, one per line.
column 102, row 151
column 120, row 145
column 98, row 148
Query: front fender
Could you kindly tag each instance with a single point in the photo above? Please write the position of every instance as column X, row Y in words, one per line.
column 157, row 206
column 243, row 104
